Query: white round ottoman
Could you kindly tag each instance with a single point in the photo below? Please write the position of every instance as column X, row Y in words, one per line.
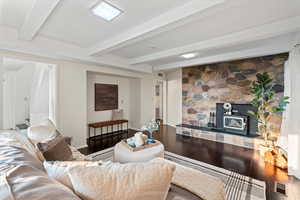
column 124, row 155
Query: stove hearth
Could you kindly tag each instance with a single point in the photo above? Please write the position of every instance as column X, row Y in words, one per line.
column 236, row 124
column 235, row 119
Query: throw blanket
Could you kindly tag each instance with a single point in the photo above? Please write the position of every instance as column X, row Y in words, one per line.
column 203, row 185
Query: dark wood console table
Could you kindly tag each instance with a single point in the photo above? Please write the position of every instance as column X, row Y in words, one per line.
column 93, row 137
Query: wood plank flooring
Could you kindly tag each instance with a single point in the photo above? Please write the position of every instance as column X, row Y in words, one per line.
column 241, row 160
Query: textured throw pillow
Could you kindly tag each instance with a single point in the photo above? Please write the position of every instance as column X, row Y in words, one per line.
column 55, row 149
column 59, row 169
column 117, row 115
column 133, row 181
column 27, row 183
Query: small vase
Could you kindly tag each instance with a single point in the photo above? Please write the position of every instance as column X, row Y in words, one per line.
column 139, row 139
column 150, row 140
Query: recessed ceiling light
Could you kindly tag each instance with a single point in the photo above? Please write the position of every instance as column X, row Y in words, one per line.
column 106, row 11
column 189, row 55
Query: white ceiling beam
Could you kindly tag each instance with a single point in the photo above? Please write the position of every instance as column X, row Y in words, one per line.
column 36, row 17
column 249, row 35
column 163, row 20
column 249, row 53
column 49, row 48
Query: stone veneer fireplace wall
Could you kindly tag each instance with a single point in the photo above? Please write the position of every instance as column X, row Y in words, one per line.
column 204, row 86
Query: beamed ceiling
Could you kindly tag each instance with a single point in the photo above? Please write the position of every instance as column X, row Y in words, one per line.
column 150, row 35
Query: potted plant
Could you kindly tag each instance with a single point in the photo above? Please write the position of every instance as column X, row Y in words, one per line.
column 264, row 100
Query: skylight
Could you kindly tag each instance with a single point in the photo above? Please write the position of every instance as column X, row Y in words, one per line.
column 106, row 11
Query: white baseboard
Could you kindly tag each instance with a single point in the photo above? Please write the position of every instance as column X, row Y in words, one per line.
column 82, row 146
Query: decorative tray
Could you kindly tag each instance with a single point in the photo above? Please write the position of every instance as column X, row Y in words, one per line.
column 145, row 146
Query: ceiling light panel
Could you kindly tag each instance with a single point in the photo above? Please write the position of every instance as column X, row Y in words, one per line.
column 189, row 55
column 106, row 11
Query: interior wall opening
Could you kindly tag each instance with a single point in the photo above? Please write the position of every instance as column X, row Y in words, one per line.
column 29, row 93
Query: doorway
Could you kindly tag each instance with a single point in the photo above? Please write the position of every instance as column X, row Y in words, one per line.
column 29, row 92
column 159, row 101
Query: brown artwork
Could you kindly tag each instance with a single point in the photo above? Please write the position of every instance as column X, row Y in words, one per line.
column 106, row 97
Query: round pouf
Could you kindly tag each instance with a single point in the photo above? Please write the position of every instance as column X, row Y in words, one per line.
column 124, row 155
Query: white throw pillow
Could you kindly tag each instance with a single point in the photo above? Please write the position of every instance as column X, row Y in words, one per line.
column 133, row 181
column 41, row 133
column 59, row 169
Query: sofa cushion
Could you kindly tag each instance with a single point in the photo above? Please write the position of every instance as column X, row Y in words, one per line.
column 59, row 169
column 22, row 176
column 17, row 139
column 15, row 156
column 5, row 191
column 133, row 181
column 27, row 183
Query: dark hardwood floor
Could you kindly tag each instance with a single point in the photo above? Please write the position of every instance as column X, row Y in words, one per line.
column 241, row 160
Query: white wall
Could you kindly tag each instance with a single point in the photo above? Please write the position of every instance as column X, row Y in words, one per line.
column 1, row 92
column 53, row 94
column 72, row 102
column 147, row 99
column 135, row 102
column 165, row 101
column 123, row 96
column 73, row 99
column 23, row 86
column 174, row 97
column 72, row 93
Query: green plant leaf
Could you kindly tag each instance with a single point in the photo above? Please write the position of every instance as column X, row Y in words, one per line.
column 275, row 109
column 261, row 128
column 263, row 98
column 266, row 114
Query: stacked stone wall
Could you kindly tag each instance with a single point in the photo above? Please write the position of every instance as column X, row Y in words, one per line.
column 204, row 86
